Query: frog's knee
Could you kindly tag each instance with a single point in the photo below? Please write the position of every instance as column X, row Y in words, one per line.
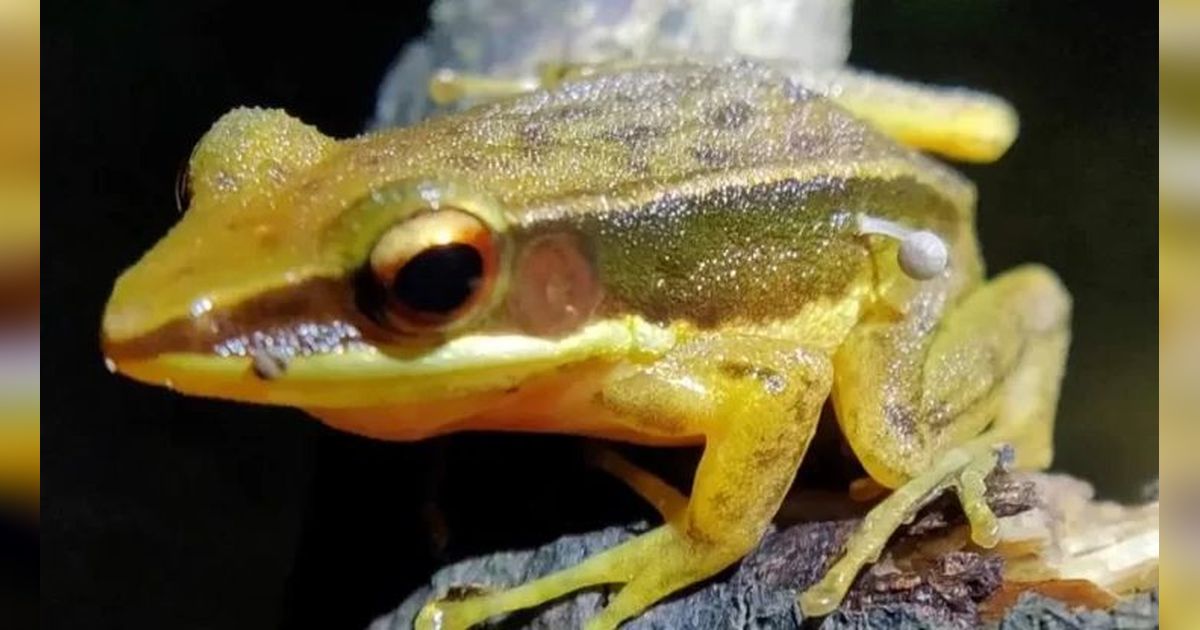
column 1041, row 298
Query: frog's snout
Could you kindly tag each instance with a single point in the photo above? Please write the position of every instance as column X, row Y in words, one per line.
column 115, row 325
column 121, row 354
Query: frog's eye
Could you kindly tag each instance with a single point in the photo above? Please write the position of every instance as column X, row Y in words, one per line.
column 432, row 270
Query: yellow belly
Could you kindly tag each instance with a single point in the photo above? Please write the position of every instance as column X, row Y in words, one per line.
column 564, row 401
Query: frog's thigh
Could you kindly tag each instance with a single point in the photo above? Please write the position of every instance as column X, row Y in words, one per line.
column 958, row 123
column 757, row 402
column 903, row 395
column 989, row 374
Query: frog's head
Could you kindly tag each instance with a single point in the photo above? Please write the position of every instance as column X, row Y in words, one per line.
column 293, row 278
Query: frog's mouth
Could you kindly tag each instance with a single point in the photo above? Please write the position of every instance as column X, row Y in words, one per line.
column 302, row 349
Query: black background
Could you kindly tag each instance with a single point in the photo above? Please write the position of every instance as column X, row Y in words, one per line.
column 165, row 512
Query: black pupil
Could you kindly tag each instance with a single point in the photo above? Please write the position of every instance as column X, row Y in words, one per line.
column 439, row 279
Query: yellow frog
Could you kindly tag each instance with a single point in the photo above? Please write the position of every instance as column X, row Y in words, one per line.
column 667, row 254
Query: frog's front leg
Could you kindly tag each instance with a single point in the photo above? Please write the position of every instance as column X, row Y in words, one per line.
column 756, row 402
column 925, row 402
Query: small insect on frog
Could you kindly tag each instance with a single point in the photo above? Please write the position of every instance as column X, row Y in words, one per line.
column 670, row 254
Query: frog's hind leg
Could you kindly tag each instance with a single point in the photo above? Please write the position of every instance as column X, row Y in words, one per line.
column 958, row 123
column 926, row 407
column 757, row 402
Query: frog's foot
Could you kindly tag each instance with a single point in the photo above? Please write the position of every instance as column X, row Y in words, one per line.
column 964, row 469
column 650, row 566
column 448, row 87
column 665, row 498
column 866, row 489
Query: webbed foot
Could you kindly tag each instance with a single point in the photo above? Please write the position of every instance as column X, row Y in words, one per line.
column 650, row 566
column 964, row 469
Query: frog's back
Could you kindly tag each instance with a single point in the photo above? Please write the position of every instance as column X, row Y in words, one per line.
column 704, row 193
column 636, row 131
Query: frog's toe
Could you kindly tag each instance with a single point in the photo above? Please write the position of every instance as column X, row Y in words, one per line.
column 431, row 617
column 963, row 469
column 972, row 491
column 459, row 609
column 821, row 599
column 439, row 614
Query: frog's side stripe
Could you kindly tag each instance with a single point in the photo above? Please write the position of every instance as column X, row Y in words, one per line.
column 368, row 376
column 630, row 197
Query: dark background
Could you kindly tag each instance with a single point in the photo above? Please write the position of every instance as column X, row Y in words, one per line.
column 166, row 512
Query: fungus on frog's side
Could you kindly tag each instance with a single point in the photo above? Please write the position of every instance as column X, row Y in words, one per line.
column 922, row 256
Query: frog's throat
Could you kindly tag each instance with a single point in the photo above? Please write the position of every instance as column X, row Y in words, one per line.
column 368, row 376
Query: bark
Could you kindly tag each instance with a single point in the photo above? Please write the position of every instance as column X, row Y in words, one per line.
column 929, row 577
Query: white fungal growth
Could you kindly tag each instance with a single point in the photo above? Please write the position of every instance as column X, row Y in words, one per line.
column 922, row 255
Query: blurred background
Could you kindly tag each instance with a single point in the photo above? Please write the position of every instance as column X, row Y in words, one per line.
column 1179, row 304
column 163, row 511
column 20, row 262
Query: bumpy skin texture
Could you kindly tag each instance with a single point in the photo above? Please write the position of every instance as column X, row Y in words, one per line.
column 719, row 288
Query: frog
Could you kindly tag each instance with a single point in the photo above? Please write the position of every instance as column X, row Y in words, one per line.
column 703, row 254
